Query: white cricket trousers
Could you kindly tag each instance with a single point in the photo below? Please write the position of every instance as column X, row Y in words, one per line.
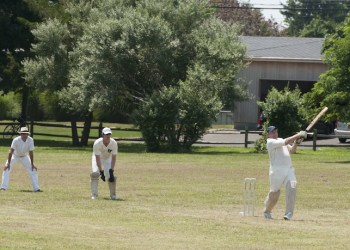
column 106, row 163
column 280, row 177
column 25, row 161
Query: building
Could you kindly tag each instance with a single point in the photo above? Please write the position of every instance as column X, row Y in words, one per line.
column 277, row 61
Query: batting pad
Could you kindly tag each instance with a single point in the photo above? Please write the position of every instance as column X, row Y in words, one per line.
column 291, row 192
column 94, row 183
column 112, row 188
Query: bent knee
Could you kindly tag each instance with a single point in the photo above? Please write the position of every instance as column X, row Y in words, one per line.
column 94, row 175
column 292, row 184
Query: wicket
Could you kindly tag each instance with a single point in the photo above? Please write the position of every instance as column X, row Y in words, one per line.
column 249, row 196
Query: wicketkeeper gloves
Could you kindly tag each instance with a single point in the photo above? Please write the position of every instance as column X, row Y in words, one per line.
column 102, row 175
column 111, row 175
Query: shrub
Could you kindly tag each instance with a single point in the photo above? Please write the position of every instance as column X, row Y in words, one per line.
column 282, row 109
column 10, row 107
column 176, row 117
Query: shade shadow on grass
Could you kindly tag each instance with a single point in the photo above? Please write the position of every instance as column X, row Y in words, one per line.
column 338, row 162
column 129, row 147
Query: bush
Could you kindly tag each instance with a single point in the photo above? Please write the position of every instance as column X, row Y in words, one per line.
column 10, row 107
column 176, row 117
column 282, row 109
column 260, row 144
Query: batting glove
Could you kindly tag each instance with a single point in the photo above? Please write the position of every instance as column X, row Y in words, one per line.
column 102, row 175
column 303, row 134
column 299, row 140
column 111, row 175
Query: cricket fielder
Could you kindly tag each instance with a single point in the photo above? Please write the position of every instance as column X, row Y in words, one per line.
column 104, row 157
column 21, row 152
column 281, row 170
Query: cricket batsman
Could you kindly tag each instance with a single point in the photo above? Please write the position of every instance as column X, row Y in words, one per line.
column 104, row 157
column 281, row 170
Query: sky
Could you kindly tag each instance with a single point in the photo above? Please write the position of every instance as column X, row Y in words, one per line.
column 269, row 4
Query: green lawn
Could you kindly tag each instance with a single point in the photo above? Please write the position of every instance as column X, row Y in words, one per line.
column 174, row 201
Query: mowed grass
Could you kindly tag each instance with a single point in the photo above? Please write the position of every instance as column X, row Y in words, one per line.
column 174, row 201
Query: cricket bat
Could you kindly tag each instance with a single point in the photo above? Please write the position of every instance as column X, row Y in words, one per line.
column 318, row 116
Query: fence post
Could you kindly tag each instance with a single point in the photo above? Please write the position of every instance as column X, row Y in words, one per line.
column 100, row 126
column 246, row 137
column 32, row 128
column 314, row 139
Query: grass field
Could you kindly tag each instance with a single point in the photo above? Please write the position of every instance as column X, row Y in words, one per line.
column 174, row 201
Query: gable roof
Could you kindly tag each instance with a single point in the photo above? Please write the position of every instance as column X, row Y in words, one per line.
column 291, row 49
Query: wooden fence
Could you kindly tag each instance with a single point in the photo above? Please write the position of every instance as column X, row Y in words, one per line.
column 314, row 135
column 32, row 125
column 32, row 128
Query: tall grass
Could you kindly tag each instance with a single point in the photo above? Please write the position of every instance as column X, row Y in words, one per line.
column 174, row 201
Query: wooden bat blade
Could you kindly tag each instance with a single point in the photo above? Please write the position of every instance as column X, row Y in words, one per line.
column 318, row 116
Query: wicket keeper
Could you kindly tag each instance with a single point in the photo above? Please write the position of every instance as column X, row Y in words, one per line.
column 104, row 157
column 281, row 170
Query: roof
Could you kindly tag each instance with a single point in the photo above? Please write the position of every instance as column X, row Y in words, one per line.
column 294, row 49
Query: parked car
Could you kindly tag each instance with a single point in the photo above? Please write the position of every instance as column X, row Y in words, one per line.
column 324, row 127
column 343, row 130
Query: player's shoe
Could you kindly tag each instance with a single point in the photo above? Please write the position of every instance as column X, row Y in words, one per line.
column 113, row 197
column 37, row 191
column 288, row 216
column 2, row 189
column 93, row 197
column 268, row 216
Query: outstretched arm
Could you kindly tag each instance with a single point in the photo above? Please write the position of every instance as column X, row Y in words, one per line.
column 293, row 138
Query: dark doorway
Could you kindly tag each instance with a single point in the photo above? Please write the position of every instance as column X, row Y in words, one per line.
column 266, row 85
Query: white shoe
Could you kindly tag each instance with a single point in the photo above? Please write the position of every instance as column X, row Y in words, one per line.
column 94, row 197
column 268, row 216
column 113, row 197
column 288, row 216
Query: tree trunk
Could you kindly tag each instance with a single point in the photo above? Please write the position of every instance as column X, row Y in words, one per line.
column 24, row 107
column 75, row 137
column 86, row 131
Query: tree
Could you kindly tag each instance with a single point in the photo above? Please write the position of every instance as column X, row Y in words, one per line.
column 299, row 15
column 124, row 51
column 333, row 88
column 50, row 69
column 251, row 20
column 17, row 18
column 131, row 52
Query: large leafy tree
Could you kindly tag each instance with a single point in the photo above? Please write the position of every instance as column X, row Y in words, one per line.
column 17, row 18
column 314, row 17
column 333, row 88
column 118, row 53
column 130, row 52
column 251, row 21
column 54, row 58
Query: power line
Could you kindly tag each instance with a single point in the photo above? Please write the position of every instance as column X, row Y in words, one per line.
column 272, row 8
column 323, row 6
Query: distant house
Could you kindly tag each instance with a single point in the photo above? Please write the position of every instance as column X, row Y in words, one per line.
column 277, row 61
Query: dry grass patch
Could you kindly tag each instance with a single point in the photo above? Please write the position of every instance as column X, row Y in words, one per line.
column 174, row 201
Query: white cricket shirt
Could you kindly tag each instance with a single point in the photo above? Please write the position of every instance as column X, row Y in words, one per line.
column 22, row 147
column 105, row 152
column 279, row 153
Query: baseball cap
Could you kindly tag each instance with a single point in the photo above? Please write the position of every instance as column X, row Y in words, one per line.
column 270, row 129
column 24, row 130
column 106, row 131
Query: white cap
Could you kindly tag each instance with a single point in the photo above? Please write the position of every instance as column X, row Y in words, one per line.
column 106, row 131
column 24, row 130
